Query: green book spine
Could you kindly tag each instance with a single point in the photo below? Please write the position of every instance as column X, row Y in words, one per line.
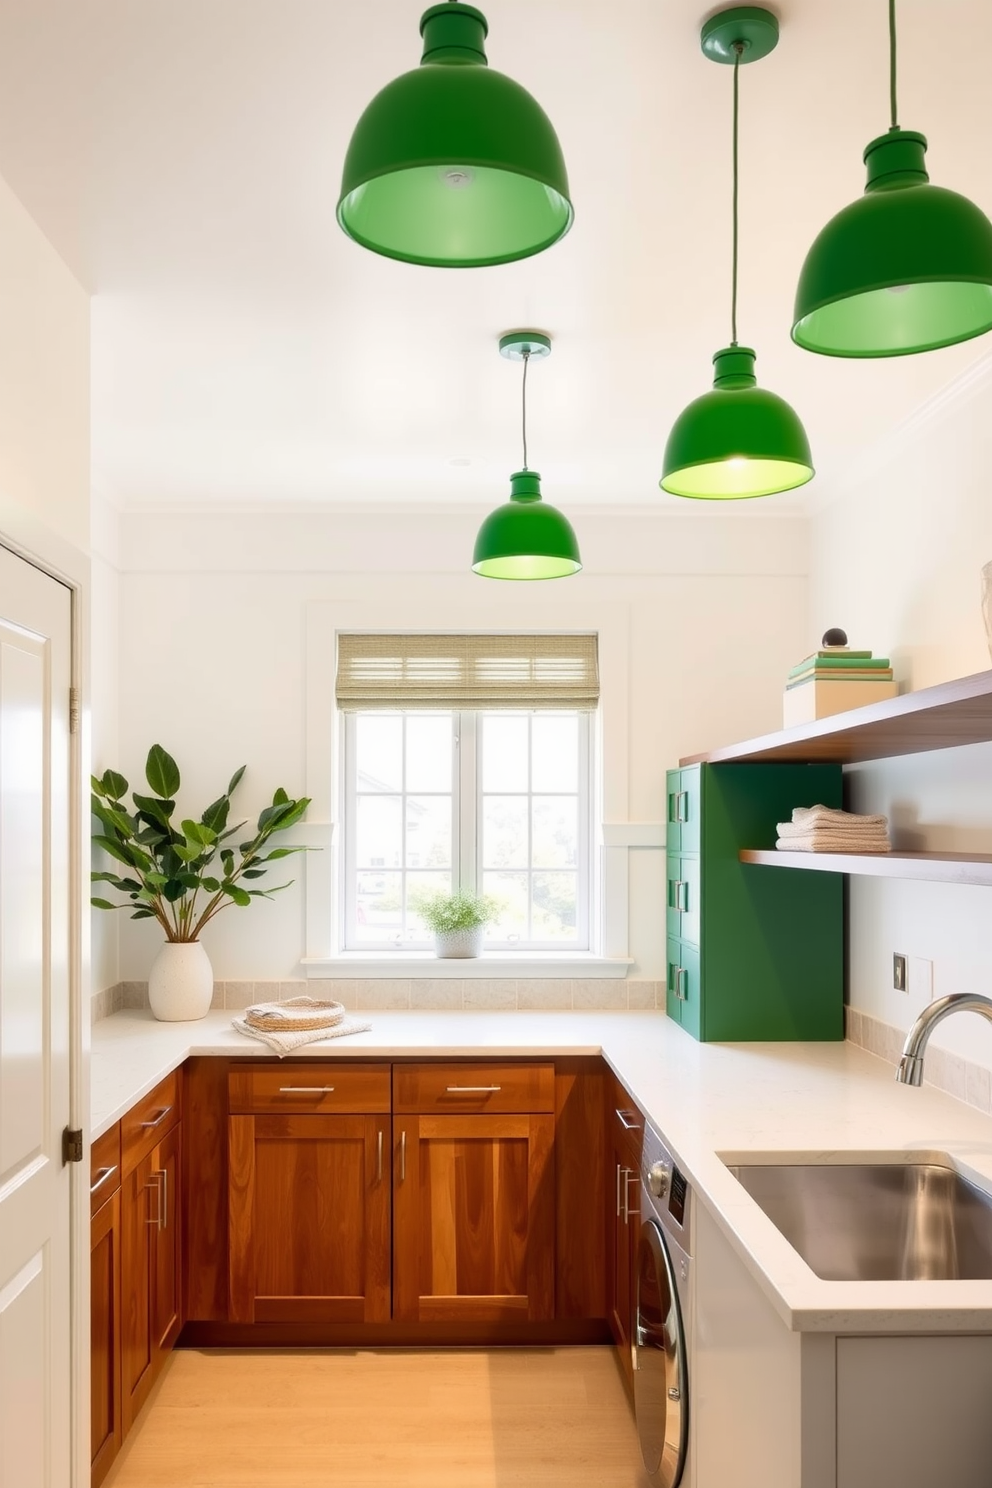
column 846, row 663
column 840, row 677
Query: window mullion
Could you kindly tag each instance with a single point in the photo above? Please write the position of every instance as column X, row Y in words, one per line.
column 469, row 812
column 349, row 887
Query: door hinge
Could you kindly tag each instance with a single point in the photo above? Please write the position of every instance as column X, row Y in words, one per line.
column 74, row 710
column 72, row 1145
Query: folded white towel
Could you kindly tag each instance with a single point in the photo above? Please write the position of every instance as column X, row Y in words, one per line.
column 822, row 816
column 285, row 1043
column 868, row 833
column 828, row 842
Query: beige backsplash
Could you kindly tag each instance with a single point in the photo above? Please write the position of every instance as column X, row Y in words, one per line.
column 543, row 994
column 959, row 1077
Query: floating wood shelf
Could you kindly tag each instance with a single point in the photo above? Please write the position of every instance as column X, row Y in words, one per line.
column 941, row 717
column 958, row 868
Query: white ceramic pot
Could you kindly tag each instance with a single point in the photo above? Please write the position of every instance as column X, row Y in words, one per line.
column 181, row 982
column 461, row 943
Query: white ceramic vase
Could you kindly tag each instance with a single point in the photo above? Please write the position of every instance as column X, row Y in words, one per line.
column 460, row 943
column 181, row 982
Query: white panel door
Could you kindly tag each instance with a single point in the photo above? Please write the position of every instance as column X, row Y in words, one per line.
column 35, row 674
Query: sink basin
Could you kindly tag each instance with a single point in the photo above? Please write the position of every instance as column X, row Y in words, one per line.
column 915, row 1221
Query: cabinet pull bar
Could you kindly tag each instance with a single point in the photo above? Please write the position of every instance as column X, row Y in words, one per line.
column 379, row 1158
column 104, row 1174
column 164, row 1173
column 157, row 1120
column 154, row 1183
column 403, row 1157
column 472, row 1089
column 306, row 1089
column 632, row 1177
column 625, row 1179
column 619, row 1171
column 627, row 1125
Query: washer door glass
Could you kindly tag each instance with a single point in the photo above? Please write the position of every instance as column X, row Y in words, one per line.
column 660, row 1398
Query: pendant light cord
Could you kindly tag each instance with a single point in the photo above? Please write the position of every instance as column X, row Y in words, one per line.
column 892, row 65
column 738, row 49
column 524, row 405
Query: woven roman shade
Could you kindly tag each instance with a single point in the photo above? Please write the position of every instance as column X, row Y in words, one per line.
column 467, row 671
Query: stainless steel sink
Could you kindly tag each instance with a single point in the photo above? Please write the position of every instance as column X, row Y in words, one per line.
column 916, row 1221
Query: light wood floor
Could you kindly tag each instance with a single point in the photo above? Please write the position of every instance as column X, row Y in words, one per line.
column 520, row 1418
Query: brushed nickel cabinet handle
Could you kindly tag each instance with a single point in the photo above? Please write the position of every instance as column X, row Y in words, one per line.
column 472, row 1089
column 103, row 1175
column 619, row 1171
column 627, row 1125
column 403, row 1157
column 165, row 1197
column 306, row 1089
column 632, row 1177
column 379, row 1158
column 157, row 1120
column 154, row 1183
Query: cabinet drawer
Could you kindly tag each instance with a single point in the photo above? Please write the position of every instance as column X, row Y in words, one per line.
column 105, row 1167
column 473, row 1087
column 625, row 1124
column 148, row 1121
column 286, row 1088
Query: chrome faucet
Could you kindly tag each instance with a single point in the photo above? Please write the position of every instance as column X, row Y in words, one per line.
column 910, row 1071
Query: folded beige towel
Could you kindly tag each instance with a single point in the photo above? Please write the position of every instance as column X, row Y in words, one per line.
column 823, row 816
column 295, row 1015
column 829, row 830
column 828, row 842
column 286, row 1043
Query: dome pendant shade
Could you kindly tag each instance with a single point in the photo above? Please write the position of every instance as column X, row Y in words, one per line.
column 454, row 165
column 737, row 441
column 525, row 538
column 906, row 268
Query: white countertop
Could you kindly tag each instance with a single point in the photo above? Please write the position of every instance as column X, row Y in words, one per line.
column 709, row 1101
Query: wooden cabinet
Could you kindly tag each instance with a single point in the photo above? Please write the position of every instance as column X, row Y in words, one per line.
column 106, row 1429
column 624, row 1125
column 151, row 1245
column 750, row 955
column 473, row 1193
column 308, row 1195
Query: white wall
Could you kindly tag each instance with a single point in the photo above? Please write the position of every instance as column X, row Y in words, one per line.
column 896, row 561
column 105, row 701
column 44, row 384
column 212, row 657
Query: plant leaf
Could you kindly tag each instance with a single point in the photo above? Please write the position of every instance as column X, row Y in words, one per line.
column 117, row 850
column 215, row 816
column 104, row 904
column 235, row 780
column 162, row 772
column 280, row 798
column 212, row 885
column 253, row 873
column 114, row 785
column 173, row 890
column 159, row 810
column 117, row 821
column 143, row 914
column 240, row 896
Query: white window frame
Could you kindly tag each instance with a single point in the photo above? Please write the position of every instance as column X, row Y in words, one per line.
column 466, row 829
column 423, row 604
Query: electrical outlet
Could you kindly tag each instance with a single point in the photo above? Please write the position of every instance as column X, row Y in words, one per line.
column 899, row 979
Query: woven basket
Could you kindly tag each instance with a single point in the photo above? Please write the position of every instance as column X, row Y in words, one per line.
column 295, row 1015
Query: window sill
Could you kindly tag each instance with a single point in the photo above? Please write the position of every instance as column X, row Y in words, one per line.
column 516, row 964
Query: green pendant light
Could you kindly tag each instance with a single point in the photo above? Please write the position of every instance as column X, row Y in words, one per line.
column 525, row 538
column 906, row 268
column 454, row 164
column 737, row 441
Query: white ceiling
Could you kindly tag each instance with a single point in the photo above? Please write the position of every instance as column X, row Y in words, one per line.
column 184, row 158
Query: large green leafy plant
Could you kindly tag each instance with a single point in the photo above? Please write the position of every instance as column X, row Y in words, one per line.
column 183, row 875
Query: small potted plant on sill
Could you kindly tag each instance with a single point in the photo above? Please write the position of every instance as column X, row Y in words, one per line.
column 457, row 921
column 183, row 875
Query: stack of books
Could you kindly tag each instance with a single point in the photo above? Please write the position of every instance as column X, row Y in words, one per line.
column 833, row 680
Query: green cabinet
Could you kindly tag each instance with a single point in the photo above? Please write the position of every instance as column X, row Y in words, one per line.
column 753, row 952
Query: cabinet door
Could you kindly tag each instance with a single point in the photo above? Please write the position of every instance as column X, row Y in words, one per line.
column 141, row 1196
column 624, row 1224
column 166, row 1253
column 106, row 1432
column 473, row 1218
column 673, row 790
column 309, row 1218
column 682, row 918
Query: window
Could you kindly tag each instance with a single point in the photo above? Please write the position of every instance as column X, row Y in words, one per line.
column 494, row 801
column 467, row 766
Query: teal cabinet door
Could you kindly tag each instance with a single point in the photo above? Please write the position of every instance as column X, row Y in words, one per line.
column 673, row 788
column 673, row 999
column 690, row 808
column 682, row 1001
column 682, row 909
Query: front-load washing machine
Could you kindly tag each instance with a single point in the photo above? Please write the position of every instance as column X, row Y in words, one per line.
column 663, row 1317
